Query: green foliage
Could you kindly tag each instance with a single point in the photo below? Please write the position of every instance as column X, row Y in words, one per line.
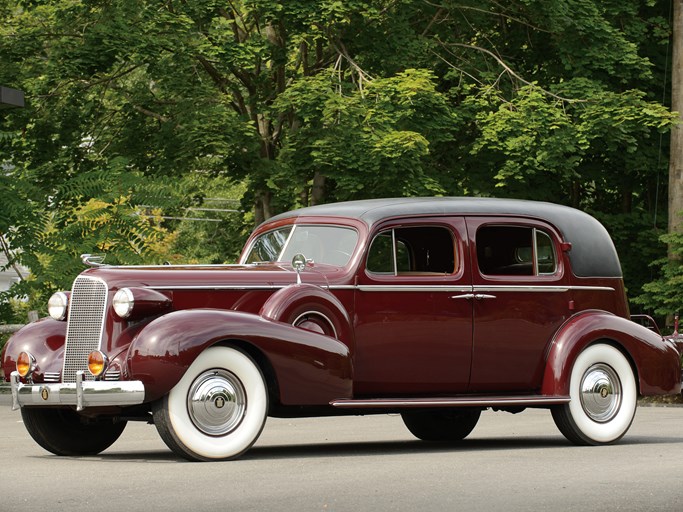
column 220, row 229
column 138, row 108
column 372, row 142
column 662, row 296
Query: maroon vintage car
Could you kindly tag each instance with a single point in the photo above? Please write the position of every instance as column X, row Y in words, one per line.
column 434, row 308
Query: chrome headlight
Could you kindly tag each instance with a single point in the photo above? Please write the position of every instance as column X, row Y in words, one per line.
column 123, row 302
column 58, row 305
column 135, row 303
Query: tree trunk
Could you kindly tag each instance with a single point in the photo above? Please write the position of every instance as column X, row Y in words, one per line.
column 318, row 189
column 262, row 207
column 676, row 155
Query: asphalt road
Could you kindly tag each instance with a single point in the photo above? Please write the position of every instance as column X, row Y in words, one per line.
column 509, row 463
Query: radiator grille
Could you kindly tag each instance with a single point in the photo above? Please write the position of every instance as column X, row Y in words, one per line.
column 86, row 321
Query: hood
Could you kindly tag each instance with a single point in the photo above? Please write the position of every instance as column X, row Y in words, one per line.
column 210, row 276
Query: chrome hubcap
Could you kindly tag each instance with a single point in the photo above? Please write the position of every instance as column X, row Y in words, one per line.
column 600, row 393
column 217, row 402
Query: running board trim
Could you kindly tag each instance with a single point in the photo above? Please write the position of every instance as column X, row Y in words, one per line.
column 470, row 401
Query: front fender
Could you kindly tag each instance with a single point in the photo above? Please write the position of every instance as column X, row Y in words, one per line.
column 44, row 339
column 311, row 369
column 656, row 362
column 287, row 304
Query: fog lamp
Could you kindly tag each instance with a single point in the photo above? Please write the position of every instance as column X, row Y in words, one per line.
column 26, row 364
column 97, row 363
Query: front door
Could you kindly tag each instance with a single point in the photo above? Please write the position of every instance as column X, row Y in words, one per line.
column 413, row 320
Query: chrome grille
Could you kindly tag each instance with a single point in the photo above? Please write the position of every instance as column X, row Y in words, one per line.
column 86, row 321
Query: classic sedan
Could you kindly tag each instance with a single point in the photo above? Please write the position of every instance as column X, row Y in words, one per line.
column 434, row 308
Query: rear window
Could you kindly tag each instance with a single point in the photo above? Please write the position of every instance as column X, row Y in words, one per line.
column 515, row 251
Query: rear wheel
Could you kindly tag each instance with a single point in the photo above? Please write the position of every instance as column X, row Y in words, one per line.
column 217, row 410
column 603, row 395
column 448, row 425
column 65, row 432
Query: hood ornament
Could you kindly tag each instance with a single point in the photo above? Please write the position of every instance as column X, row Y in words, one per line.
column 93, row 260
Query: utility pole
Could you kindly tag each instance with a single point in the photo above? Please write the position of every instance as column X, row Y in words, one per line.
column 676, row 155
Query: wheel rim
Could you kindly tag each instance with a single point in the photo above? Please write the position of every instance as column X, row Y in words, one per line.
column 216, row 402
column 601, row 393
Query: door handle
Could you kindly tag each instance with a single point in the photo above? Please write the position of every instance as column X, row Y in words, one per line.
column 470, row 296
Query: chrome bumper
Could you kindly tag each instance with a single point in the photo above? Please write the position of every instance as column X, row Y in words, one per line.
column 82, row 393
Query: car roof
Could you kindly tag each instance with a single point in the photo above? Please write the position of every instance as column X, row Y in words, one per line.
column 592, row 254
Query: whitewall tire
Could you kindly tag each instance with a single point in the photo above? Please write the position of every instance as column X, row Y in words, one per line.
column 603, row 395
column 217, row 410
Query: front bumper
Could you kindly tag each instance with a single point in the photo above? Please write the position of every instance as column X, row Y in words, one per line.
column 82, row 393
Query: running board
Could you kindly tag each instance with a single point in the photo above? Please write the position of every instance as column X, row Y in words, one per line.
column 469, row 401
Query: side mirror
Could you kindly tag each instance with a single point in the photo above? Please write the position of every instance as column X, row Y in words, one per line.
column 299, row 264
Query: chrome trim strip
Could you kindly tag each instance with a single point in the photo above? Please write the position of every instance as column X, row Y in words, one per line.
column 82, row 393
column 540, row 288
column 483, row 401
column 401, row 288
column 412, row 288
column 51, row 376
column 593, row 288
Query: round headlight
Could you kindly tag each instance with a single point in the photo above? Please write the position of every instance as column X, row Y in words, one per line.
column 58, row 305
column 123, row 302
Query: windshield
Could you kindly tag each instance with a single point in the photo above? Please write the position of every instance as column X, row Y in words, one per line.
column 331, row 245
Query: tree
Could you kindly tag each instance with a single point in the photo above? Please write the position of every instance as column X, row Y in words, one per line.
column 305, row 102
column 676, row 161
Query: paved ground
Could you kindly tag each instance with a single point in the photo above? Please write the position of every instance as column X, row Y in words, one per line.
column 510, row 463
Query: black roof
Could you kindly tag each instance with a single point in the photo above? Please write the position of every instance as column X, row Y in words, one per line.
column 592, row 254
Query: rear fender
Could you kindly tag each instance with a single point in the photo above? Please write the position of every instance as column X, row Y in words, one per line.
column 310, row 369
column 655, row 362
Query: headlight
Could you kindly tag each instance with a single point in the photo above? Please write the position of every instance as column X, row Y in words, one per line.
column 134, row 303
column 58, row 305
column 123, row 302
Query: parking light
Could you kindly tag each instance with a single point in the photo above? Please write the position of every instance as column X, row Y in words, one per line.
column 26, row 364
column 97, row 363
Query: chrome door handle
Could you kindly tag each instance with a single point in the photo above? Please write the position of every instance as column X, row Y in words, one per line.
column 481, row 296
column 468, row 296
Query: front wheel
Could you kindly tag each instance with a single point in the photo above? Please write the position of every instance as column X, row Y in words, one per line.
column 65, row 432
column 603, row 395
column 450, row 425
column 217, row 410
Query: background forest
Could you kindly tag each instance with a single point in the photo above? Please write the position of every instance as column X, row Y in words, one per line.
column 142, row 113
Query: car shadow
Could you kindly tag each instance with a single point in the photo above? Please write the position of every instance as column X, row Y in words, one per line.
column 416, row 446
column 376, row 448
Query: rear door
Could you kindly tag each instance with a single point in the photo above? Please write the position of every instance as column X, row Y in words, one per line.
column 522, row 296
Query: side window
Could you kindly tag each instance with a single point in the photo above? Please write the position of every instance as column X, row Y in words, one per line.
column 381, row 255
column 515, row 251
column 420, row 250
